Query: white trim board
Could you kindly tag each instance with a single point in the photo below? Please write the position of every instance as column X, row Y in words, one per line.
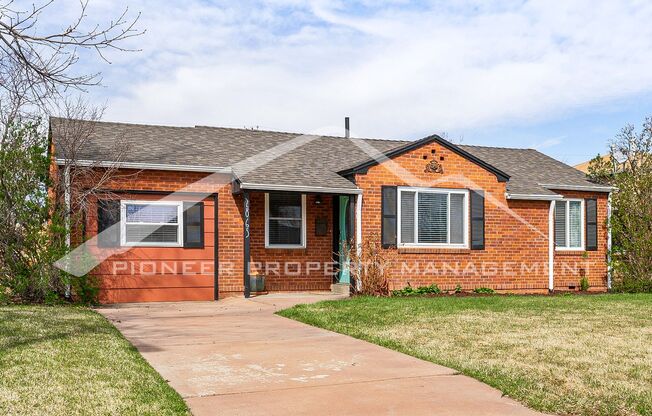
column 298, row 188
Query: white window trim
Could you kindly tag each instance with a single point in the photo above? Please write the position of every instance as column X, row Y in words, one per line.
column 123, row 223
column 582, row 225
column 303, row 226
column 416, row 190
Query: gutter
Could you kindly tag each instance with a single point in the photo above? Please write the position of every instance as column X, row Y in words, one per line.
column 297, row 188
column 594, row 188
column 533, row 197
column 144, row 166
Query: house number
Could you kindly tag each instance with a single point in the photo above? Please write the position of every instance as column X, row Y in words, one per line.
column 246, row 217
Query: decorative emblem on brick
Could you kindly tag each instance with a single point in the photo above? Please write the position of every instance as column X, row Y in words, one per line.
column 434, row 167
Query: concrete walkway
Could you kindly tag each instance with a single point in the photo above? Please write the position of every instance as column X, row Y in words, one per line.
column 235, row 357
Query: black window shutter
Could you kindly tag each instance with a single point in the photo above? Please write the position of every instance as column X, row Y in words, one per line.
column 388, row 208
column 108, row 214
column 193, row 225
column 591, row 224
column 477, row 220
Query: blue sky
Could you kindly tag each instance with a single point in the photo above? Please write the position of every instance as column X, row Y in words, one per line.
column 562, row 77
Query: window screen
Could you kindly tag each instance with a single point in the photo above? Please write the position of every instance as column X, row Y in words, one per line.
column 433, row 217
column 151, row 223
column 569, row 224
column 407, row 217
column 284, row 219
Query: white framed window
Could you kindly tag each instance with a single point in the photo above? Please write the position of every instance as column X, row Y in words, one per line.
column 569, row 224
column 285, row 220
column 151, row 224
column 433, row 217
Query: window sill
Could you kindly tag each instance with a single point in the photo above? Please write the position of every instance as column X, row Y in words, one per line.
column 563, row 252
column 433, row 250
column 285, row 247
column 152, row 245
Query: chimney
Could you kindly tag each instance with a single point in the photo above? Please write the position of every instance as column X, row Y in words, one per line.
column 347, row 128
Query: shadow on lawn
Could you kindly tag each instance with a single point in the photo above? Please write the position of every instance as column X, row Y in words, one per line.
column 26, row 326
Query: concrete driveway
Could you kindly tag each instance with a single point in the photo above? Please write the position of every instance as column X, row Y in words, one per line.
column 235, row 357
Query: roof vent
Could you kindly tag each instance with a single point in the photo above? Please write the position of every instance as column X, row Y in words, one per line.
column 347, row 128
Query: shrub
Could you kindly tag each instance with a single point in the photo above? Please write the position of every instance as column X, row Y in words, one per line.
column 32, row 231
column 433, row 289
column 458, row 289
column 370, row 267
column 483, row 290
column 584, row 284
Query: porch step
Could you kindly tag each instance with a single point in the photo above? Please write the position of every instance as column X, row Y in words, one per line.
column 341, row 289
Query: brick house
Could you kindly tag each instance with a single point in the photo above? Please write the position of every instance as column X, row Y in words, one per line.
column 195, row 212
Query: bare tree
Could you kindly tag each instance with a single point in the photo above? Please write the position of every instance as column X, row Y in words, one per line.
column 44, row 62
column 37, row 76
column 630, row 171
column 85, row 179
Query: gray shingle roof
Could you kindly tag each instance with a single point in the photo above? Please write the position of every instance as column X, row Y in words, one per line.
column 313, row 163
column 529, row 169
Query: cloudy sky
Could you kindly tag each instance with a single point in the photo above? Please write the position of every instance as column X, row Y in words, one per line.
column 559, row 76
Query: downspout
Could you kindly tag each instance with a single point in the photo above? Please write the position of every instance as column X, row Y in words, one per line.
column 67, row 201
column 358, row 231
column 609, row 241
column 551, row 247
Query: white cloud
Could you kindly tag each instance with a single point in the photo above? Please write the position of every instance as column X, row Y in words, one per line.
column 396, row 70
column 546, row 143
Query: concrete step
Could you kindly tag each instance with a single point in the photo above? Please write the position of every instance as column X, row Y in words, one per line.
column 341, row 289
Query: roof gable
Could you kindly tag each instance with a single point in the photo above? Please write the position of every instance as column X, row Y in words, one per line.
column 364, row 166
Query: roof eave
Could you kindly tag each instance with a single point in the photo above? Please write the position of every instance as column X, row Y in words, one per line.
column 533, row 197
column 246, row 186
column 364, row 166
column 144, row 166
column 585, row 188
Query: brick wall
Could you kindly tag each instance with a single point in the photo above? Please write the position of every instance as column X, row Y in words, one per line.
column 298, row 269
column 515, row 257
column 158, row 273
column 571, row 266
column 197, row 281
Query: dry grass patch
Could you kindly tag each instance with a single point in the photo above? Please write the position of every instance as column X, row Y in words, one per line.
column 66, row 360
column 582, row 355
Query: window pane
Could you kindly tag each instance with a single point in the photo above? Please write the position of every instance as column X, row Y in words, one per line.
column 407, row 217
column 284, row 205
column 575, row 232
column 457, row 219
column 560, row 224
column 152, row 233
column 152, row 213
column 433, row 217
column 284, row 232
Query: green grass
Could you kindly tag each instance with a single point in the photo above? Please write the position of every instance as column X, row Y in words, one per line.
column 585, row 355
column 69, row 360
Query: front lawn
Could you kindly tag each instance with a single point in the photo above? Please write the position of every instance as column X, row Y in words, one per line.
column 68, row 360
column 560, row 354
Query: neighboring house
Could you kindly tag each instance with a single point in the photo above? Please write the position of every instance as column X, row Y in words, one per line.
column 509, row 219
column 584, row 166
